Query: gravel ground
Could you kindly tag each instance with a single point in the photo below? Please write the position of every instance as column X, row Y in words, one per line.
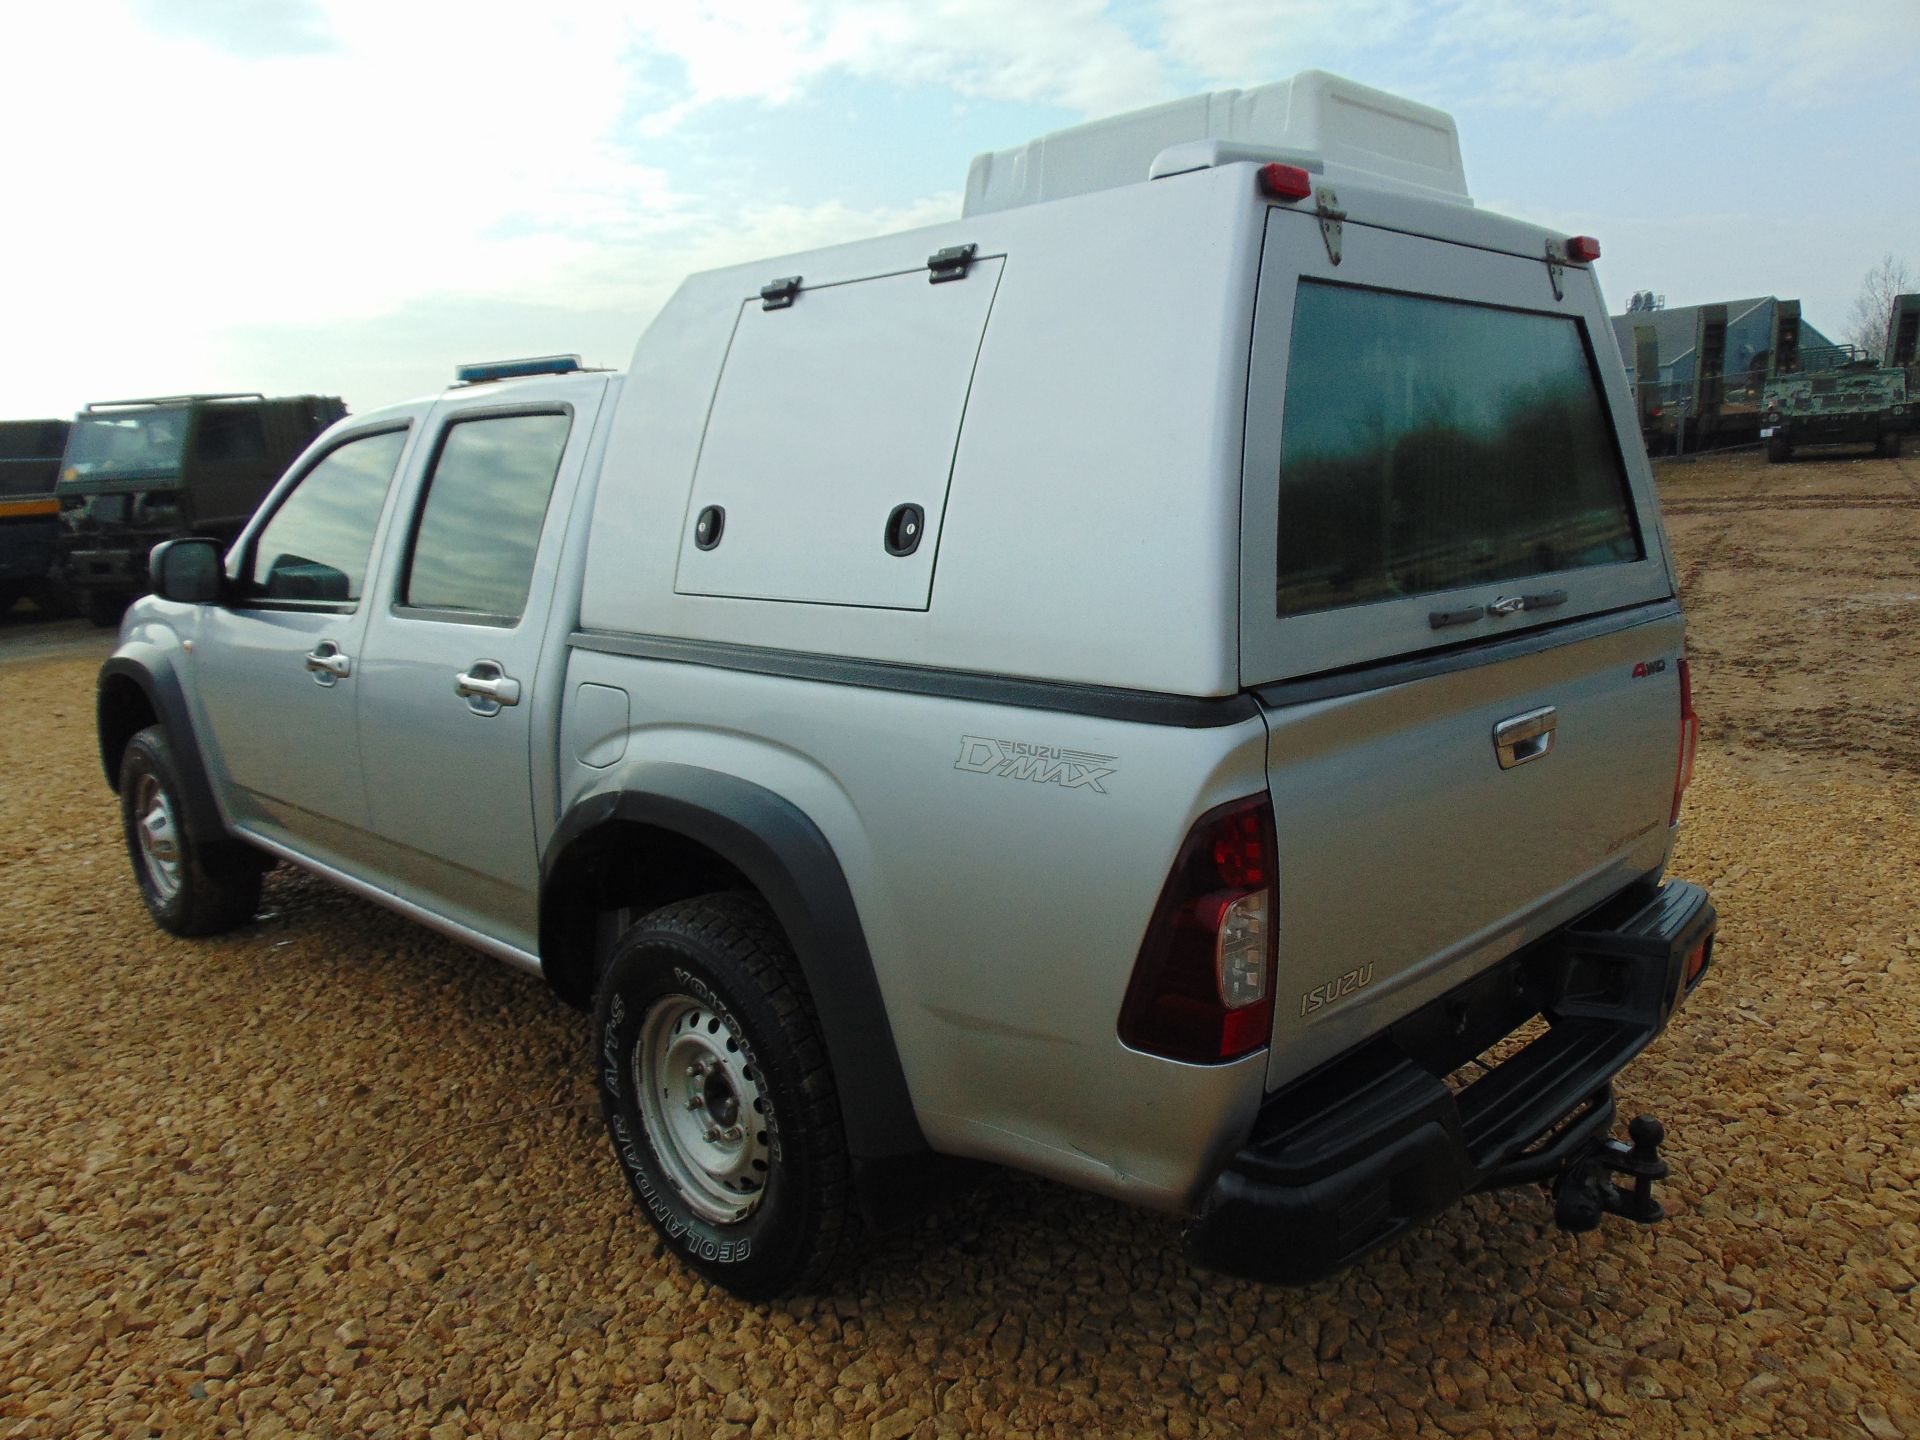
column 333, row 1176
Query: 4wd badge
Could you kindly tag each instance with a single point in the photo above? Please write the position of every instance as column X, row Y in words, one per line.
column 1042, row 764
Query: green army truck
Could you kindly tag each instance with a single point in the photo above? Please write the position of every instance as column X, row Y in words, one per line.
column 1838, row 397
column 137, row 472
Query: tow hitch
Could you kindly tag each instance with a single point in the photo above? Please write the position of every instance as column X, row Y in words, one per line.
column 1585, row 1191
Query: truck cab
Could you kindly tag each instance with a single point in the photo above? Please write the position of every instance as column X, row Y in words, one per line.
column 137, row 472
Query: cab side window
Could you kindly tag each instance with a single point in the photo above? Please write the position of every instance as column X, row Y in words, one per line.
column 315, row 548
column 479, row 527
column 229, row 435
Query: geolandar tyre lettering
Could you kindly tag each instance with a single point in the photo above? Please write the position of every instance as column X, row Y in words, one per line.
column 718, row 1099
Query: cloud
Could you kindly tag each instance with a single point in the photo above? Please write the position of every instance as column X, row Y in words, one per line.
column 1070, row 53
column 251, row 29
column 1601, row 57
column 1246, row 42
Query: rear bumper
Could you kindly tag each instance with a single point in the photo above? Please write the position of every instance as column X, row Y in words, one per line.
column 1368, row 1146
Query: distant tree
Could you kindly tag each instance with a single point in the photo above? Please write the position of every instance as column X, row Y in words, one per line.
column 1867, row 321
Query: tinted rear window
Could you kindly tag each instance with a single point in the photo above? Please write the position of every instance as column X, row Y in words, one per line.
column 1430, row 444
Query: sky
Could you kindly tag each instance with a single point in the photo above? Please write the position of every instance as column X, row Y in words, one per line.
column 352, row 197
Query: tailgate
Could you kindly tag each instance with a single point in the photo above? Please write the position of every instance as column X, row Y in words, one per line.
column 1450, row 558
column 1410, row 857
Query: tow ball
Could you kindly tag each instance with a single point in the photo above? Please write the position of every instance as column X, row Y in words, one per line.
column 1585, row 1191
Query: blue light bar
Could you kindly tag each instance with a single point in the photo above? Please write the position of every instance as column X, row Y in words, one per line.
column 510, row 369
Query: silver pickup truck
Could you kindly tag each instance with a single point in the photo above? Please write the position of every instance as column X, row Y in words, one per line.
column 1172, row 681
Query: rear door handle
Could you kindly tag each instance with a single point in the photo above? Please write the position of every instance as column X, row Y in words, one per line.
column 486, row 687
column 1525, row 737
column 328, row 663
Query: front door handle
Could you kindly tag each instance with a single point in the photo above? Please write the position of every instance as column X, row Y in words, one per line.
column 486, row 687
column 1525, row 737
column 328, row 663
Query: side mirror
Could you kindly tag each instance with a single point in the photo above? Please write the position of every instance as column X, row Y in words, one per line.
column 188, row 571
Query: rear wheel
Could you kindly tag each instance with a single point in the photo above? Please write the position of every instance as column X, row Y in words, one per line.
column 191, row 887
column 718, row 1097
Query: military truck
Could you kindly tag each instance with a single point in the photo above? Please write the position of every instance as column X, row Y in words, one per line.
column 137, row 472
column 30, row 452
column 1839, row 397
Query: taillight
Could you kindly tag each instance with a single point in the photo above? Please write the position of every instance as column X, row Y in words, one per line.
column 1286, row 182
column 1583, row 248
column 1202, row 988
column 1689, row 741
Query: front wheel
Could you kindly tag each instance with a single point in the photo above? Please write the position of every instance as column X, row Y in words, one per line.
column 718, row 1097
column 1890, row 445
column 1779, row 450
column 191, row 887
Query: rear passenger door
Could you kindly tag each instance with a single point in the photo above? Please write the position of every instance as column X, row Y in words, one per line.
column 450, row 704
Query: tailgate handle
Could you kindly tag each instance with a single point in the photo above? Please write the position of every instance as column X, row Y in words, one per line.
column 1525, row 737
column 1514, row 604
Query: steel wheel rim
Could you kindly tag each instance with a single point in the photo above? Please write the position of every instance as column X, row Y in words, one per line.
column 704, row 1108
column 159, row 837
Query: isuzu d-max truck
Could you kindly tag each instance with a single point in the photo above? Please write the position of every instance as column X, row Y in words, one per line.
column 1172, row 681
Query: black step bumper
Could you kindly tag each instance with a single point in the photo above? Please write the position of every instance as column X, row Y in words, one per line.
column 1376, row 1142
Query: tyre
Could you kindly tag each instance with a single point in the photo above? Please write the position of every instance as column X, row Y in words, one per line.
column 1890, row 444
column 1779, row 450
column 190, row 887
column 718, row 1097
column 9, row 597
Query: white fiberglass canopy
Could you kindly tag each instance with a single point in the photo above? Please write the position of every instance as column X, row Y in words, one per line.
column 1314, row 119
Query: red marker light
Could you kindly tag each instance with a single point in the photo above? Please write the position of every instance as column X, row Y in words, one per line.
column 1583, row 248
column 1286, row 182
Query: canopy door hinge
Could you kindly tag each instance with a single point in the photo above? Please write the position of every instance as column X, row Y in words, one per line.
column 1557, row 268
column 779, row 295
column 1327, row 205
column 950, row 263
